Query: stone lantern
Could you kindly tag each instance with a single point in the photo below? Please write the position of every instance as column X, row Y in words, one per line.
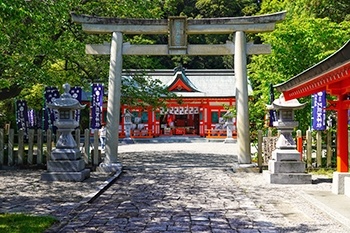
column 229, row 123
column 66, row 163
column 286, row 166
column 127, row 123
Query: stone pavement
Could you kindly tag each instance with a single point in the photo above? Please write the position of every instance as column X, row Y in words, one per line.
column 176, row 187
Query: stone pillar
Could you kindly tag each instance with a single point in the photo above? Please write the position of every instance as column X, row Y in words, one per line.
column 110, row 162
column 242, row 121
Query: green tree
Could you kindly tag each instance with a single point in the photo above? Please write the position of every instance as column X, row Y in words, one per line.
column 297, row 43
column 41, row 46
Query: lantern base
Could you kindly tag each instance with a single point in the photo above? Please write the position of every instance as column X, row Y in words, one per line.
column 287, row 178
column 66, row 176
column 286, row 167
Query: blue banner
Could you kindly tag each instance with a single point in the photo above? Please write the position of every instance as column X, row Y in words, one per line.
column 49, row 115
column 272, row 113
column 319, row 110
column 96, row 106
column 32, row 119
column 22, row 115
column 76, row 93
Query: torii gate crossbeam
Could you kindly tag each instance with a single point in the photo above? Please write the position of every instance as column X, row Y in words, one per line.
column 178, row 28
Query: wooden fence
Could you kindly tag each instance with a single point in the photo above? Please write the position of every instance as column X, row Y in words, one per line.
column 317, row 149
column 34, row 147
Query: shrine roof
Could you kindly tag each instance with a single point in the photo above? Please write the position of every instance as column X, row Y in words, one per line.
column 318, row 77
column 181, row 83
column 204, row 83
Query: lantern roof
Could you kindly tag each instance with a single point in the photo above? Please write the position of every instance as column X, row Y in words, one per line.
column 65, row 101
column 281, row 103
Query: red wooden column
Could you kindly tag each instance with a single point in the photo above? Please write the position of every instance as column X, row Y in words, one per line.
column 342, row 135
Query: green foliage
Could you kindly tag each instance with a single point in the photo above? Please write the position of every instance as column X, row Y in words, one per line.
column 298, row 43
column 222, row 8
column 150, row 92
column 21, row 223
column 41, row 46
column 328, row 172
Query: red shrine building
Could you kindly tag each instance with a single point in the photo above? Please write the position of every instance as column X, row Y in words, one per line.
column 333, row 76
column 204, row 95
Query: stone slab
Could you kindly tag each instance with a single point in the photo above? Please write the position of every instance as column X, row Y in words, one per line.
column 109, row 168
column 338, row 182
column 286, row 167
column 286, row 155
column 65, row 154
column 347, row 186
column 230, row 140
column 66, row 165
column 66, row 176
column 287, row 178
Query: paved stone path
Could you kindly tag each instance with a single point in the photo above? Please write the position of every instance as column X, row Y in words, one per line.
column 192, row 188
column 22, row 191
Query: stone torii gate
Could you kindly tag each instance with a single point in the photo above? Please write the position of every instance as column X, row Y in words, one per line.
column 177, row 28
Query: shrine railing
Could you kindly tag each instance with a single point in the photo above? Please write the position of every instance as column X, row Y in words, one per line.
column 218, row 133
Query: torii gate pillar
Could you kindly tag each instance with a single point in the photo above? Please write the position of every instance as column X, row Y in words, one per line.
column 110, row 162
column 243, row 138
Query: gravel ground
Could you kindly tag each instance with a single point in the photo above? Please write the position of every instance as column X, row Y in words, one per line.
column 283, row 205
column 22, row 191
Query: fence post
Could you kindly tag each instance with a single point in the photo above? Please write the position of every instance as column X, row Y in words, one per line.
column 87, row 146
column 319, row 148
column 30, row 146
column 39, row 155
column 329, row 148
column 10, row 147
column 308, row 148
column 300, row 144
column 260, row 150
column 96, row 151
column 48, row 144
column 269, row 133
column 20, row 151
column 2, row 146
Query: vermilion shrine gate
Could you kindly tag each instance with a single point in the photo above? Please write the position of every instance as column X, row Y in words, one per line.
column 177, row 28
